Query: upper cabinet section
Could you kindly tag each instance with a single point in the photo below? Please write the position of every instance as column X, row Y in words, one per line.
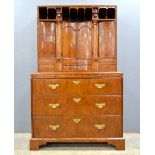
column 77, row 38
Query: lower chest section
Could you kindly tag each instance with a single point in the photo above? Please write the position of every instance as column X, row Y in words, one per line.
column 76, row 108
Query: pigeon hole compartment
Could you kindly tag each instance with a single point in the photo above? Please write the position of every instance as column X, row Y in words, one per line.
column 51, row 13
column 42, row 12
column 88, row 14
column 81, row 14
column 111, row 13
column 102, row 13
column 65, row 13
column 73, row 14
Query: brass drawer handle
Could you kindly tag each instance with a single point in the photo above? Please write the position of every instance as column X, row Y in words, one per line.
column 100, row 126
column 100, row 86
column 100, row 105
column 76, row 120
column 53, row 86
column 53, row 106
column 54, row 127
column 76, row 100
column 76, row 82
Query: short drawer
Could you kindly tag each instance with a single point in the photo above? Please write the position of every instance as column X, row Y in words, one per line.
column 77, row 105
column 100, row 127
column 77, row 127
column 76, row 67
column 54, row 127
column 46, row 87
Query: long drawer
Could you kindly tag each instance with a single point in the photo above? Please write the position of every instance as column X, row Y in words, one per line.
column 77, row 127
column 46, row 87
column 77, row 105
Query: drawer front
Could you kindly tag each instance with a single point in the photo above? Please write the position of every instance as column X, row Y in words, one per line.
column 79, row 62
column 54, row 127
column 77, row 105
column 77, row 127
column 46, row 87
column 76, row 67
column 100, row 127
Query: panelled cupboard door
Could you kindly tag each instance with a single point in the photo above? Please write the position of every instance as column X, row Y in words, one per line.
column 107, row 39
column 46, row 40
column 84, row 40
column 69, row 40
column 77, row 40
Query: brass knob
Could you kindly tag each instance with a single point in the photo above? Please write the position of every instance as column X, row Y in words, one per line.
column 76, row 82
column 100, row 126
column 53, row 106
column 100, row 105
column 54, row 127
column 53, row 86
column 100, row 86
column 76, row 120
column 76, row 100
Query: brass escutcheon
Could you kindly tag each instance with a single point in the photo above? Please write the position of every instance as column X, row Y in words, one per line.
column 100, row 105
column 76, row 120
column 100, row 126
column 76, row 100
column 76, row 82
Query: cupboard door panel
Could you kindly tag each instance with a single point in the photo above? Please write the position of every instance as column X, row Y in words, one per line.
column 46, row 40
column 84, row 40
column 69, row 40
column 107, row 39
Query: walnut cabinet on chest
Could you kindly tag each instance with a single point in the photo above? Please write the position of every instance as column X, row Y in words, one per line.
column 77, row 93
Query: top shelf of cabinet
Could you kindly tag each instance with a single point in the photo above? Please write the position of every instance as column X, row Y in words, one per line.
column 76, row 13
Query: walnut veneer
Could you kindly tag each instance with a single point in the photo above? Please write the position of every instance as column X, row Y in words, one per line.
column 77, row 95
